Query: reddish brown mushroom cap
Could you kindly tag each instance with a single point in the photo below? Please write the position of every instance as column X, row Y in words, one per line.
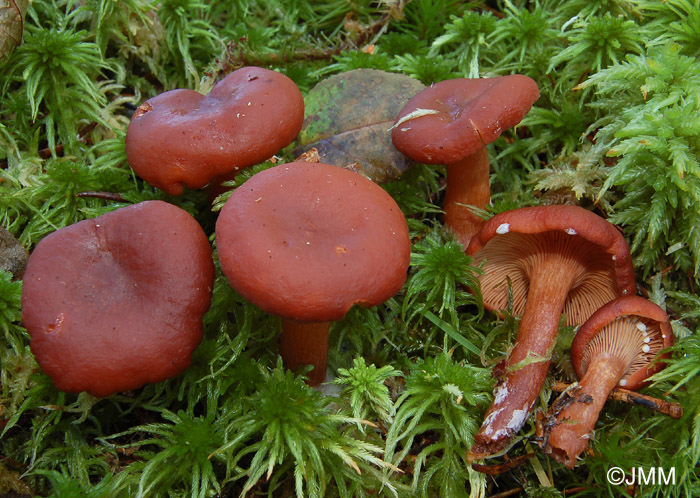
column 306, row 241
column 182, row 138
column 451, row 123
column 116, row 302
column 652, row 334
column 462, row 116
column 510, row 240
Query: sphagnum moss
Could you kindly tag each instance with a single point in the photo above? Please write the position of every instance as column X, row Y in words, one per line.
column 619, row 96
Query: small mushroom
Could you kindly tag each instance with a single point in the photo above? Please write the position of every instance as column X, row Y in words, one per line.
column 117, row 301
column 306, row 241
column 450, row 123
column 551, row 260
column 616, row 347
column 183, row 138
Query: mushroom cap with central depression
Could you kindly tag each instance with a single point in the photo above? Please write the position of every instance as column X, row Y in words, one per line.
column 117, row 301
column 183, row 138
column 306, row 241
column 452, row 119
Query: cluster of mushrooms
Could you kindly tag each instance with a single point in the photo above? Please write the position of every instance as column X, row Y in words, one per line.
column 541, row 261
column 116, row 302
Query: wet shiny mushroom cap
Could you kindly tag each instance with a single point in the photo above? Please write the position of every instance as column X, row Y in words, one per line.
column 512, row 244
column 306, row 241
column 183, row 138
column 631, row 329
column 117, row 301
column 454, row 118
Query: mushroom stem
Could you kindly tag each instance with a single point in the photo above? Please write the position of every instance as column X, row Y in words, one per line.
column 305, row 343
column 467, row 184
column 528, row 362
column 571, row 432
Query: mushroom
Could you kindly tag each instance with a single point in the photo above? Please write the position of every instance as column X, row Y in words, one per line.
column 116, row 302
column 306, row 241
column 183, row 138
column 551, row 260
column 450, row 123
column 615, row 347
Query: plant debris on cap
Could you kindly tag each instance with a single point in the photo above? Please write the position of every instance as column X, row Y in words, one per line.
column 183, row 138
column 117, row 301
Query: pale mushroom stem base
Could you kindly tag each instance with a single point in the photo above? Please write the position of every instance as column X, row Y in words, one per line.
column 528, row 363
column 571, row 432
column 467, row 184
column 305, row 343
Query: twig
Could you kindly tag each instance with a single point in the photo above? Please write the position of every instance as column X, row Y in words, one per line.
column 515, row 491
column 673, row 410
column 509, row 492
column 46, row 153
column 109, row 196
column 571, row 491
column 236, row 55
column 502, row 467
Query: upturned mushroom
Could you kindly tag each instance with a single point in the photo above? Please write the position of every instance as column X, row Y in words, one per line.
column 183, row 138
column 617, row 346
column 450, row 123
column 306, row 241
column 116, row 302
column 551, row 260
